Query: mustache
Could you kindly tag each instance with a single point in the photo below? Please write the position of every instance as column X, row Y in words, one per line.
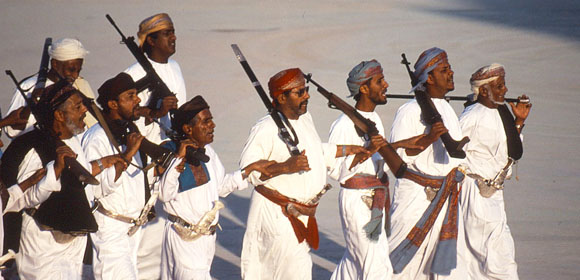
column 305, row 102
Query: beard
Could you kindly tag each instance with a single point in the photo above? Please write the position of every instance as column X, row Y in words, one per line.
column 74, row 128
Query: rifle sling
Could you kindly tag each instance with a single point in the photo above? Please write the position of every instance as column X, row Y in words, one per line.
column 514, row 143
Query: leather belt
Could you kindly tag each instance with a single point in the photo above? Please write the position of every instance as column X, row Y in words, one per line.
column 179, row 220
column 118, row 217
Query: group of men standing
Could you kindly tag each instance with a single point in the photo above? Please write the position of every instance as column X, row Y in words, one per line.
column 446, row 219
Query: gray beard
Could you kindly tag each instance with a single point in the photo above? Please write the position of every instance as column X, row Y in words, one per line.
column 73, row 128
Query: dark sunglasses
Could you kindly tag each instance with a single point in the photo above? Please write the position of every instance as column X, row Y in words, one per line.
column 299, row 93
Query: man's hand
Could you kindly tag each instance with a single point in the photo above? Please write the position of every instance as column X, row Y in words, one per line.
column 182, row 151
column 410, row 143
column 169, row 102
column 61, row 153
column 134, row 140
column 107, row 162
column 260, row 166
column 297, row 163
column 437, row 129
column 521, row 111
column 16, row 119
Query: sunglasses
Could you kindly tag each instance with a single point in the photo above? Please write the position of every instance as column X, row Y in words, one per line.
column 299, row 93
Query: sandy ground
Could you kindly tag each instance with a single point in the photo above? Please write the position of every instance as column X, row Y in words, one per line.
column 537, row 42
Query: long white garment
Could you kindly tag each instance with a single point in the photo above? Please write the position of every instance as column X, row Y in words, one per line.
column 409, row 199
column 192, row 259
column 363, row 258
column 491, row 246
column 149, row 254
column 40, row 256
column 270, row 248
column 28, row 85
column 115, row 253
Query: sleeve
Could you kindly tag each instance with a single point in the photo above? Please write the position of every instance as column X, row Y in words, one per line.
column 17, row 102
column 258, row 146
column 226, row 182
column 169, row 182
column 36, row 194
column 338, row 135
column 406, row 125
column 95, row 147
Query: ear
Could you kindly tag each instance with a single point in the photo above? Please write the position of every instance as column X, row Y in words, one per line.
column 364, row 89
column 187, row 129
column 282, row 98
column 53, row 64
column 113, row 104
column 59, row 116
column 150, row 41
column 430, row 79
column 483, row 91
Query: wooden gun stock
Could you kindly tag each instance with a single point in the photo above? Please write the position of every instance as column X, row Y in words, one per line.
column 389, row 154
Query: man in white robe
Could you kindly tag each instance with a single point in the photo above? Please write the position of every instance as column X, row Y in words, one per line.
column 121, row 194
column 157, row 40
column 42, row 256
column 410, row 199
column 190, row 189
column 276, row 243
column 67, row 57
column 491, row 252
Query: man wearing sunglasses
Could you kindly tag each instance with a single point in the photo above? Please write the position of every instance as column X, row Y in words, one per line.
column 281, row 226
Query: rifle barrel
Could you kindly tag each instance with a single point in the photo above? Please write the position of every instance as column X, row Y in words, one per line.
column 456, row 98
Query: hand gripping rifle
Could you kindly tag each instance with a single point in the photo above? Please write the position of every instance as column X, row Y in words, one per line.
column 393, row 160
column 430, row 116
column 152, row 81
column 278, row 117
column 72, row 164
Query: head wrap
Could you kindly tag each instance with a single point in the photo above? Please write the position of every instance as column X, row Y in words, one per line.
column 285, row 80
column 362, row 73
column 186, row 113
column 485, row 75
column 153, row 24
column 113, row 87
column 52, row 97
column 426, row 62
column 67, row 49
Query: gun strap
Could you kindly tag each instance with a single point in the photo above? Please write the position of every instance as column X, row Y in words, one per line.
column 282, row 122
column 514, row 143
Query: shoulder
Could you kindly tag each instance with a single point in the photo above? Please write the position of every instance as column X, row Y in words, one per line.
column 135, row 70
column 93, row 133
column 265, row 125
column 30, row 82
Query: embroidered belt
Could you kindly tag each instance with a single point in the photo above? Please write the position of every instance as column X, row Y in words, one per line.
column 292, row 209
column 118, row 217
column 184, row 223
column 422, row 180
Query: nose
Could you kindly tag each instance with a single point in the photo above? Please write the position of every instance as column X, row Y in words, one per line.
column 306, row 95
column 385, row 84
column 83, row 108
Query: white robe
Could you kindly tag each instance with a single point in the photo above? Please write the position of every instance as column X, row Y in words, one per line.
column 363, row 258
column 270, row 247
column 192, row 259
column 40, row 256
column 28, row 85
column 149, row 254
column 114, row 252
column 409, row 199
column 491, row 246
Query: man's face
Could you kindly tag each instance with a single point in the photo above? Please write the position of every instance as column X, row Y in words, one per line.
column 442, row 77
column 68, row 69
column 163, row 41
column 128, row 105
column 75, row 113
column 378, row 89
column 203, row 128
column 498, row 91
column 296, row 101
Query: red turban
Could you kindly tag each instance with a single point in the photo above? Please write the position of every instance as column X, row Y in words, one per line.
column 285, row 80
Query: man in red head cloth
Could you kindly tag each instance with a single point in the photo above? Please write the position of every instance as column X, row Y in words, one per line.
column 281, row 226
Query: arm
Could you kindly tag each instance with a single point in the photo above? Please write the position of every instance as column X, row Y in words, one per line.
column 521, row 112
column 424, row 141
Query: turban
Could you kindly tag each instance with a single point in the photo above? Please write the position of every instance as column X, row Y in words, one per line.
column 362, row 73
column 187, row 112
column 485, row 75
column 153, row 24
column 52, row 97
column 67, row 49
column 113, row 87
column 427, row 61
column 285, row 80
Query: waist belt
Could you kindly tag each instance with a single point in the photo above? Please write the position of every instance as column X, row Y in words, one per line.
column 184, row 223
column 292, row 209
column 422, row 180
column 118, row 217
column 380, row 200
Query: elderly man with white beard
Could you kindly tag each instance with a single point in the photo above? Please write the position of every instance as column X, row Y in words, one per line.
column 494, row 147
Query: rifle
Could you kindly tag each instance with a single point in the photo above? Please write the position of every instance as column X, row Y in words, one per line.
column 457, row 98
column 152, row 81
column 393, row 160
column 277, row 116
column 72, row 164
column 430, row 116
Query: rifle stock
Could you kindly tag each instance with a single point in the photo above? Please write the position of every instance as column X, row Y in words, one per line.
column 367, row 126
column 430, row 115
